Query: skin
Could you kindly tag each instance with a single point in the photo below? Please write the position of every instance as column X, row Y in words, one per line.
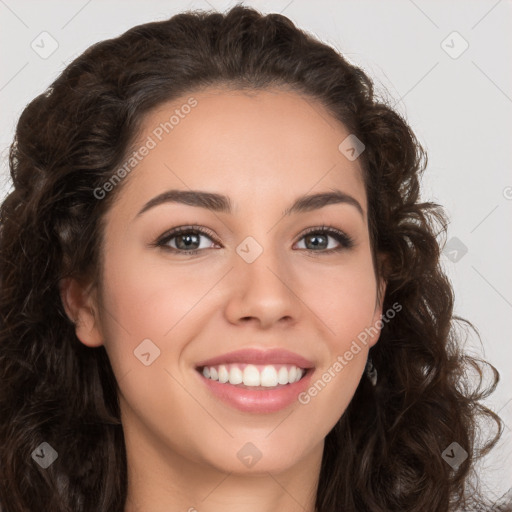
column 263, row 149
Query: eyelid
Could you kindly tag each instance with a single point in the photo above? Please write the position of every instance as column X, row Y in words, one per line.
column 173, row 232
column 324, row 227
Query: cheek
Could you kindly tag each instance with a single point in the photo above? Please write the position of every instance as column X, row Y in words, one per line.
column 343, row 297
column 148, row 299
column 143, row 301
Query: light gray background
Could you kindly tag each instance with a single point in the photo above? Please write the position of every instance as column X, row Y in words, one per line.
column 460, row 108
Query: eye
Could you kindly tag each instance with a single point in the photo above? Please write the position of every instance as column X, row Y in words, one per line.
column 185, row 239
column 318, row 238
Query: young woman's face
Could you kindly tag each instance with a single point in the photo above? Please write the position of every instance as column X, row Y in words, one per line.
column 257, row 281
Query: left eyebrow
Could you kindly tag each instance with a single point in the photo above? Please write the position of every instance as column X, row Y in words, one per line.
column 221, row 203
column 312, row 202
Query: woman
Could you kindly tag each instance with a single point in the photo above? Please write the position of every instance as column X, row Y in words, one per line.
column 220, row 289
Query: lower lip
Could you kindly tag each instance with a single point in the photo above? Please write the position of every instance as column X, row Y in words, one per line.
column 258, row 401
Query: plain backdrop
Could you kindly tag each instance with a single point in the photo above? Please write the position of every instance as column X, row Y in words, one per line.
column 444, row 65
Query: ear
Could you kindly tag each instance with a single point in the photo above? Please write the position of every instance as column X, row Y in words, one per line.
column 80, row 304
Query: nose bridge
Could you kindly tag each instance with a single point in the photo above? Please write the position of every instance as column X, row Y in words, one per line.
column 263, row 287
column 260, row 261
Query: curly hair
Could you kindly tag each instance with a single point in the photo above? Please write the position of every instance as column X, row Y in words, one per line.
column 385, row 452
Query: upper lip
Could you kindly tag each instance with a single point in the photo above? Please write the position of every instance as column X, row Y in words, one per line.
column 255, row 356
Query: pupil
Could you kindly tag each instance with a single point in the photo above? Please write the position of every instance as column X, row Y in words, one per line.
column 188, row 240
column 313, row 237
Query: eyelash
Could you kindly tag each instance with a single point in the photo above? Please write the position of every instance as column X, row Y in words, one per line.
column 345, row 241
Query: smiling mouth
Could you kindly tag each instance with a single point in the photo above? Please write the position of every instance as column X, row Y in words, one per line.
column 253, row 376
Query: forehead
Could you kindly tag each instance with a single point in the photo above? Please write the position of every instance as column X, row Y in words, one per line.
column 245, row 143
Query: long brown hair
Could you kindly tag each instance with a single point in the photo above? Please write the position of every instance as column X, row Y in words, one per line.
column 386, row 451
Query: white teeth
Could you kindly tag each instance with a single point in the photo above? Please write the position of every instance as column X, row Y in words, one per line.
column 282, row 376
column 235, row 375
column 251, row 375
column 223, row 374
column 268, row 377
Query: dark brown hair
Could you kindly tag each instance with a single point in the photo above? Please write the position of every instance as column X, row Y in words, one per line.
column 385, row 452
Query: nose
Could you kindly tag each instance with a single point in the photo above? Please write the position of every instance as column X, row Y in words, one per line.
column 264, row 292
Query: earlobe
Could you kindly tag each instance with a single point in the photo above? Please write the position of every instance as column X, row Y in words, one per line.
column 80, row 304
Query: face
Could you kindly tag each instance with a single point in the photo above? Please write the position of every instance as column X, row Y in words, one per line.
column 276, row 285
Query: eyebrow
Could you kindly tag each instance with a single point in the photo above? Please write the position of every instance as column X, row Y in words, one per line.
column 221, row 203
